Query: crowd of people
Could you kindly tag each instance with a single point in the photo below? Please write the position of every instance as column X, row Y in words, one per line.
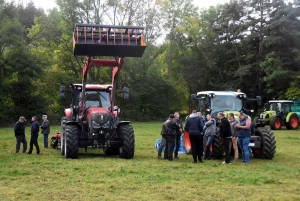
column 202, row 131
column 19, row 129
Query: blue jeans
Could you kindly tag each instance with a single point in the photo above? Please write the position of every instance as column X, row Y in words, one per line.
column 209, row 141
column 46, row 140
column 244, row 145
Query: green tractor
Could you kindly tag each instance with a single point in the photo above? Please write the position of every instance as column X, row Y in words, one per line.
column 278, row 113
column 262, row 140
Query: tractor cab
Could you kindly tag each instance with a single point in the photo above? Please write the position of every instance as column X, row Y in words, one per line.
column 212, row 102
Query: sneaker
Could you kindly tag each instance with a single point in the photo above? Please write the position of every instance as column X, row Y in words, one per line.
column 226, row 163
column 176, row 157
column 159, row 157
column 200, row 161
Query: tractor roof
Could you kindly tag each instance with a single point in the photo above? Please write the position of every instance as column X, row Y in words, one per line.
column 95, row 86
column 281, row 101
column 224, row 93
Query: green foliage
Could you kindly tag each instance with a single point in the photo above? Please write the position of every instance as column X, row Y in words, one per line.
column 276, row 78
column 294, row 89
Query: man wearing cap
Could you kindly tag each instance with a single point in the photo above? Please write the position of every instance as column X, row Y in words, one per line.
column 19, row 129
column 45, row 130
column 34, row 136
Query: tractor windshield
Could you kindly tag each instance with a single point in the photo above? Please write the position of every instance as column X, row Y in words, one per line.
column 221, row 103
column 275, row 106
column 97, row 99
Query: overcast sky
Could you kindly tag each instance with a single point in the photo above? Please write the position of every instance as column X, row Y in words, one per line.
column 47, row 4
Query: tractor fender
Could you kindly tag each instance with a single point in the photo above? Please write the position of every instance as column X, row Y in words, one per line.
column 123, row 123
column 289, row 115
column 71, row 122
column 68, row 112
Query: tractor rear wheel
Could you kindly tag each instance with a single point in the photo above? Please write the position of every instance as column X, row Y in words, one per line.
column 217, row 148
column 71, row 142
column 293, row 122
column 267, row 144
column 127, row 135
column 111, row 151
column 275, row 123
column 63, row 134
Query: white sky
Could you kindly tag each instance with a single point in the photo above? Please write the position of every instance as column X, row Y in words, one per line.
column 48, row 4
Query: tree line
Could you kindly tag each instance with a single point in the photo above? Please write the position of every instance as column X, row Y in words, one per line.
column 249, row 44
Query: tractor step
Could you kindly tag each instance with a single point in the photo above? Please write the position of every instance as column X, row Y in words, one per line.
column 108, row 40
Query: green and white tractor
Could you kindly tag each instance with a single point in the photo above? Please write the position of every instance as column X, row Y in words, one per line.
column 279, row 113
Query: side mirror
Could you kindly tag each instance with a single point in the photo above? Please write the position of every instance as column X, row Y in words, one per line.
column 126, row 93
column 193, row 99
column 258, row 98
column 62, row 92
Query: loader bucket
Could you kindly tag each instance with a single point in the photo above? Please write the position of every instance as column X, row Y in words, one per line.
column 108, row 40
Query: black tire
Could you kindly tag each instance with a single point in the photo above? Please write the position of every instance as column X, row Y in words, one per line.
column 127, row 135
column 275, row 123
column 268, row 144
column 293, row 122
column 217, row 148
column 111, row 151
column 63, row 133
column 71, row 142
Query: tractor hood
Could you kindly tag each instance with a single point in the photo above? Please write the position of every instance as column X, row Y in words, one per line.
column 98, row 117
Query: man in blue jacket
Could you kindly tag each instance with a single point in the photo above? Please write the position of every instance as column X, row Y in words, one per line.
column 194, row 125
column 34, row 135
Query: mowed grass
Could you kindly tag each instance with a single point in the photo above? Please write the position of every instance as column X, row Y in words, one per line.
column 95, row 176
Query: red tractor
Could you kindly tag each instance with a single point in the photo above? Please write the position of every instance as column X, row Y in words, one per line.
column 92, row 119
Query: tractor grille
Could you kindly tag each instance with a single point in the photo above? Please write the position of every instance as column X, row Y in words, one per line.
column 100, row 120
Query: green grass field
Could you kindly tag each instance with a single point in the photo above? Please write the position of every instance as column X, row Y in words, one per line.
column 95, row 176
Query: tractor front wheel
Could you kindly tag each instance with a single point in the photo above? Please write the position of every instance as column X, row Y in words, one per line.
column 293, row 122
column 63, row 134
column 127, row 148
column 71, row 142
column 275, row 123
column 217, row 148
column 267, row 143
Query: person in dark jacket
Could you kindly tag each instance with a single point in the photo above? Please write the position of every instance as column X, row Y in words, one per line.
column 19, row 129
column 225, row 133
column 163, row 141
column 178, row 134
column 34, row 135
column 194, row 125
column 45, row 130
column 170, row 134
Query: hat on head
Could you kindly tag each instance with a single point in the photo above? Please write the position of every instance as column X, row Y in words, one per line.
column 172, row 116
column 22, row 118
